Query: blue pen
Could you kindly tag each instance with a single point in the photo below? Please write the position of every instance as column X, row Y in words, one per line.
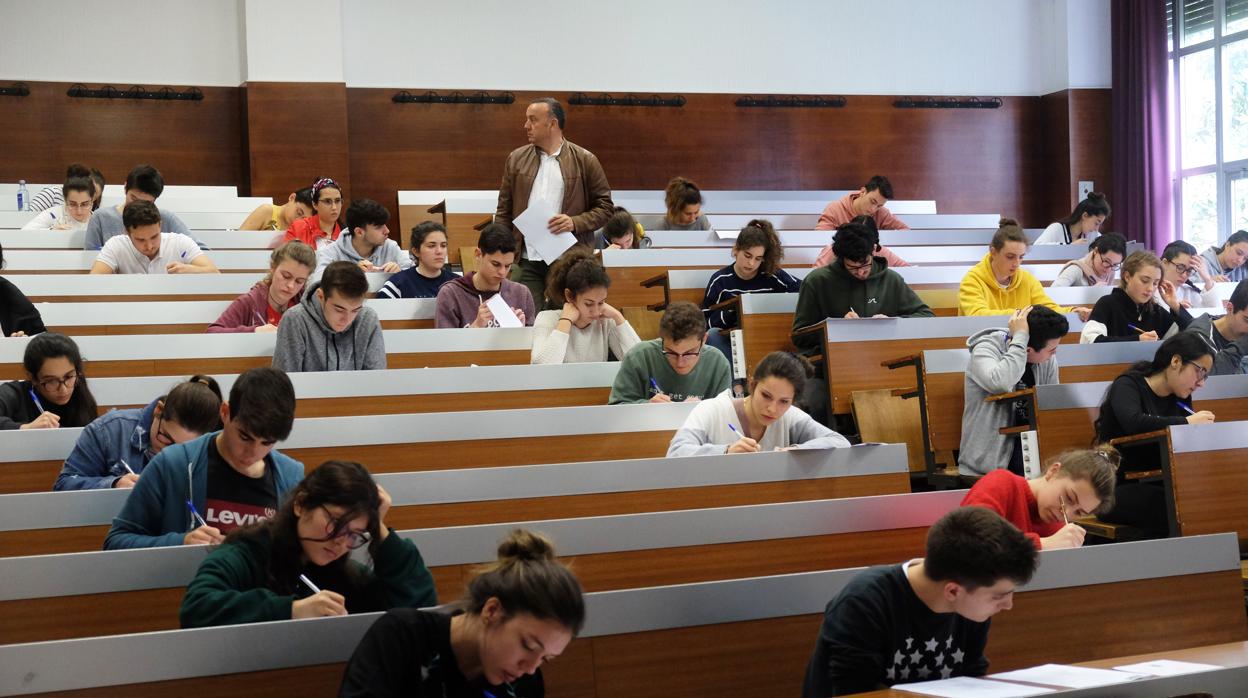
column 734, row 429
column 655, row 384
column 190, row 505
column 1185, row 407
column 1135, row 328
column 35, row 398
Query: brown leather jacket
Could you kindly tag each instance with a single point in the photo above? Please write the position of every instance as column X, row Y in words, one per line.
column 586, row 193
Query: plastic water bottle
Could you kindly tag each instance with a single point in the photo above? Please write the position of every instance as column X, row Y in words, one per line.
column 23, row 199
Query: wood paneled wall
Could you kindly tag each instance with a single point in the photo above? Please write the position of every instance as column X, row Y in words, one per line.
column 968, row 160
column 1023, row 159
column 189, row 142
column 1076, row 147
column 296, row 133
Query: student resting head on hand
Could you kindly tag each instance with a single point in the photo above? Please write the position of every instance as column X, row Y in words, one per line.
column 1077, row 483
column 258, row 573
column 1129, row 313
column 926, row 618
column 55, row 392
column 114, row 449
column 519, row 612
column 621, row 232
column 586, row 327
column 767, row 420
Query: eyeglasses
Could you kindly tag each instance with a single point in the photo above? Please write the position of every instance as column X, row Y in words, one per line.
column 687, row 355
column 1181, row 269
column 1201, row 372
column 1115, row 266
column 330, row 202
column 338, row 529
column 857, row 267
column 47, row 385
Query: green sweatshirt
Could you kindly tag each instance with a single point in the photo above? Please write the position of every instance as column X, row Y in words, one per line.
column 710, row 376
column 231, row 585
column 831, row 292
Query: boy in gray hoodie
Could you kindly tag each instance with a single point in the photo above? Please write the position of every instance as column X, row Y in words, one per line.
column 331, row 330
column 365, row 242
column 1020, row 356
column 1227, row 334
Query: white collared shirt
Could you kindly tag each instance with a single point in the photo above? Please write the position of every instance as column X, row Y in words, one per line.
column 547, row 187
column 120, row 254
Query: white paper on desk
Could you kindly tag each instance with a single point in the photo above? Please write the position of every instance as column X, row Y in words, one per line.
column 534, row 224
column 967, row 687
column 1067, row 676
column 1167, row 667
column 725, row 234
column 503, row 314
column 863, row 319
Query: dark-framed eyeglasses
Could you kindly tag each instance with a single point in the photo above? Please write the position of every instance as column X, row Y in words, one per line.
column 338, row 529
column 47, row 385
column 686, row 355
column 1181, row 269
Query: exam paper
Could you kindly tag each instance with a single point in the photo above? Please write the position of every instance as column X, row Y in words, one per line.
column 537, row 236
column 967, row 687
column 1167, row 667
column 1068, row 676
column 503, row 313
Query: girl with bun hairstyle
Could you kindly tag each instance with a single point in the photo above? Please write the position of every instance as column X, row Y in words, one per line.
column 1083, row 225
column 114, row 449
column 684, row 206
column 585, row 327
column 767, row 420
column 519, row 612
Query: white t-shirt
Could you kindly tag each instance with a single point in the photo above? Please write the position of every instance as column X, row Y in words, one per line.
column 1055, row 234
column 55, row 218
column 120, row 254
column 547, row 187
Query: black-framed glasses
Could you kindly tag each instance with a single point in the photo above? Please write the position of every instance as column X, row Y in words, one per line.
column 687, row 355
column 1201, row 372
column 858, row 267
column 47, row 385
column 1181, row 269
column 1114, row 266
column 338, row 529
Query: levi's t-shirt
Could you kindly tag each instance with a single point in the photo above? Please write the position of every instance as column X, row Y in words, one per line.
column 235, row 500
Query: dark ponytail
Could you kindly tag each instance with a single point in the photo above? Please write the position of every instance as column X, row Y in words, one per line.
column 787, row 366
column 195, row 404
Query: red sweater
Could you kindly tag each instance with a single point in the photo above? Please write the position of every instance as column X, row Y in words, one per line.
column 1010, row 496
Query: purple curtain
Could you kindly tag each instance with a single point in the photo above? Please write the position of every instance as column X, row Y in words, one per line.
column 1142, row 195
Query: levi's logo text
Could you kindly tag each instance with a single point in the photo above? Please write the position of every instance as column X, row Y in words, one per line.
column 227, row 516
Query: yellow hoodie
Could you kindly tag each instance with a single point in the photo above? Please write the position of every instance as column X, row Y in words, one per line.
column 980, row 294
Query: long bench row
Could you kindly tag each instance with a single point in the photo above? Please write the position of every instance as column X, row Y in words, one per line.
column 689, row 638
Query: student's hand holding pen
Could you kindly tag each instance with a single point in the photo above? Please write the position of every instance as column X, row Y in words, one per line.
column 322, row 603
column 204, row 535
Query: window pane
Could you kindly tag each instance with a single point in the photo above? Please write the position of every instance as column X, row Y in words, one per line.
column 1169, row 25
column 1236, row 16
column 1200, row 210
column 1198, row 101
column 1197, row 21
column 1235, row 100
column 1239, row 204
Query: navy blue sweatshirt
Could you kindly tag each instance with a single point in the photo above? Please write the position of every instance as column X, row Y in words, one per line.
column 725, row 284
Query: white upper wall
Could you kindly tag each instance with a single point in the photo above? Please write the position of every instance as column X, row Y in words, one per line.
column 967, row 47
column 155, row 42
column 310, row 51
column 959, row 47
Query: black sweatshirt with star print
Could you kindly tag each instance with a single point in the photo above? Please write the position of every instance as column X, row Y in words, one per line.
column 877, row 633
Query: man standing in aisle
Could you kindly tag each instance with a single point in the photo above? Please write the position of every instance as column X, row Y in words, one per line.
column 559, row 174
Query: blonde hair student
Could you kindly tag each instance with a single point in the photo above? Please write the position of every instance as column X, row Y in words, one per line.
column 519, row 612
column 1075, row 484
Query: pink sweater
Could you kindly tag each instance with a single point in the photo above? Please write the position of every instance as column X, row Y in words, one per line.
column 247, row 312
column 841, row 211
